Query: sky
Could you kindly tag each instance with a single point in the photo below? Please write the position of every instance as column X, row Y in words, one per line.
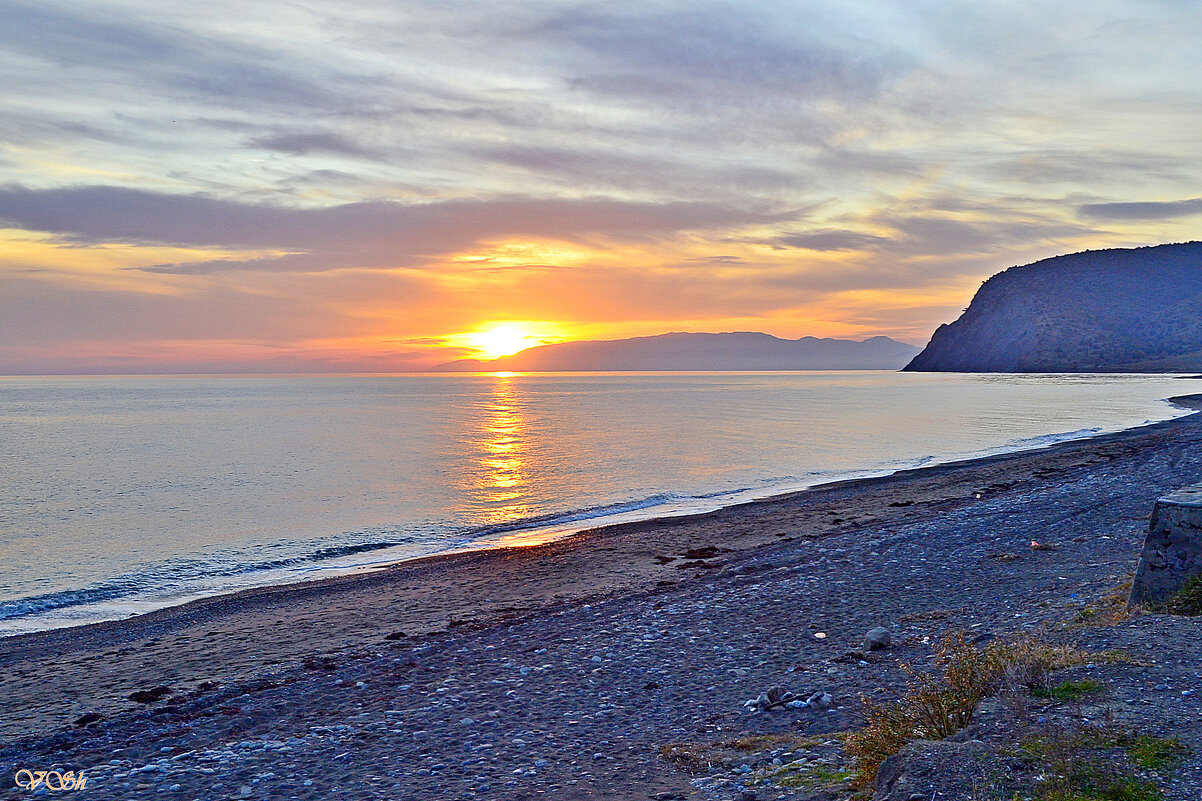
column 314, row 185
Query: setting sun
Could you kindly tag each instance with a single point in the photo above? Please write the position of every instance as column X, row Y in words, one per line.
column 502, row 339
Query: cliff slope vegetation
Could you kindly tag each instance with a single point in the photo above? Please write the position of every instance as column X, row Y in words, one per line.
column 1122, row 310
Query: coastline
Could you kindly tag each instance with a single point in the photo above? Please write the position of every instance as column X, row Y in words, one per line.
column 55, row 676
column 520, row 533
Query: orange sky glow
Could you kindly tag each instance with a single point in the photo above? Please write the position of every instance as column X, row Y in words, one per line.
column 397, row 188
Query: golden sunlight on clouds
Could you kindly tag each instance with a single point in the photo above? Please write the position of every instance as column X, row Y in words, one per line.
column 113, row 266
column 522, row 253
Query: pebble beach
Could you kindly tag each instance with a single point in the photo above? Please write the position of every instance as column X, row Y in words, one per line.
column 630, row 662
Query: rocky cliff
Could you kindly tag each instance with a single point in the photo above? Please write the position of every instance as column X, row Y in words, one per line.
column 1127, row 310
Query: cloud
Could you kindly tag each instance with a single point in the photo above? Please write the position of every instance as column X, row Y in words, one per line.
column 1049, row 166
column 105, row 45
column 303, row 143
column 926, row 232
column 1146, row 210
column 581, row 161
column 830, row 240
column 36, row 311
column 648, row 170
column 709, row 54
column 368, row 234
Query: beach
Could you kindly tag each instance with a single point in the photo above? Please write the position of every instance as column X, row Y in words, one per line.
column 561, row 670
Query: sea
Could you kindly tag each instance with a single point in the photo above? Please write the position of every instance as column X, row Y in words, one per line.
column 120, row 495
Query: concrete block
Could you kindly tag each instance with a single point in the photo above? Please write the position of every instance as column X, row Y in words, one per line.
column 1172, row 553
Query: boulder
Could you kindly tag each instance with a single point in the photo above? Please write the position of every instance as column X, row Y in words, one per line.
column 877, row 639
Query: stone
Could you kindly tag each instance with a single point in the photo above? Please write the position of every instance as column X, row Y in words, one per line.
column 1172, row 552
column 820, row 700
column 88, row 718
column 149, row 696
column 934, row 770
column 878, row 639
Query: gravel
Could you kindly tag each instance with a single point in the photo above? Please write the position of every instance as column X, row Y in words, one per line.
column 576, row 702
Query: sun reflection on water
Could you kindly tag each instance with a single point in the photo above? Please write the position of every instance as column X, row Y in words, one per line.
column 503, row 450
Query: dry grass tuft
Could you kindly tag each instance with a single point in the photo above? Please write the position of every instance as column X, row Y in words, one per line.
column 936, row 706
column 1111, row 609
column 701, row 757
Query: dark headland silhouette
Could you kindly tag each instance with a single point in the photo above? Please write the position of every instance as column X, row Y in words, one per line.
column 1121, row 310
column 679, row 351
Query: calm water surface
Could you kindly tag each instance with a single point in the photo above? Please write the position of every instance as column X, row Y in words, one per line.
column 119, row 495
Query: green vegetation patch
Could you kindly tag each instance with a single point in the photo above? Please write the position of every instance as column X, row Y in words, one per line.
column 808, row 777
column 1099, row 763
column 1186, row 601
column 1070, row 690
column 1127, row 788
column 1153, row 753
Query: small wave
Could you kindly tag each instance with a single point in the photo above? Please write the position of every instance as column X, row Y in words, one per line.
column 656, row 501
column 1051, row 439
column 573, row 516
column 320, row 555
column 108, row 591
column 169, row 576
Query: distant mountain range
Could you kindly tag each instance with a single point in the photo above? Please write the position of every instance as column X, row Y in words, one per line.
column 1122, row 310
column 678, row 351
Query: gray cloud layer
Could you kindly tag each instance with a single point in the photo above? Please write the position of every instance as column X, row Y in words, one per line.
column 1147, row 210
column 879, row 144
column 369, row 234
